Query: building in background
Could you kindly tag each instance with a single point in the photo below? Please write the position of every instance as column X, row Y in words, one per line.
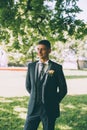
column 3, row 58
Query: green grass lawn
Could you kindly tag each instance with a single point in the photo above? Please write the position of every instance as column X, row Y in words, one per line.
column 73, row 113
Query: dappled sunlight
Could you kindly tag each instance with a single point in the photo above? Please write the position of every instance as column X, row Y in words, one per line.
column 5, row 110
column 12, row 115
column 20, row 99
column 21, row 111
column 73, row 113
column 63, row 127
column 3, row 100
column 70, row 106
column 84, row 108
column 22, row 115
column 62, row 108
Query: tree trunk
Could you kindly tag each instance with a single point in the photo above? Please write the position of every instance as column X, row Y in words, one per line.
column 32, row 56
column 78, row 65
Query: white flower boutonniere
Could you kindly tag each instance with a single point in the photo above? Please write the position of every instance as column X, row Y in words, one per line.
column 50, row 72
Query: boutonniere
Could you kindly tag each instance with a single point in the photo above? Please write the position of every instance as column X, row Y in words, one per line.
column 50, row 72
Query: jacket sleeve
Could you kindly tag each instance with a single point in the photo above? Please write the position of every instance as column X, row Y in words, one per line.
column 28, row 82
column 62, row 85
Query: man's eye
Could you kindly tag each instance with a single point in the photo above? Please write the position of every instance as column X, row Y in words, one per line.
column 41, row 49
column 38, row 49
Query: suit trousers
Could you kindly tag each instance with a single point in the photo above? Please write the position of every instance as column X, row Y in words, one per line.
column 39, row 115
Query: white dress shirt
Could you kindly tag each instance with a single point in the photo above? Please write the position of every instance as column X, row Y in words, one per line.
column 45, row 67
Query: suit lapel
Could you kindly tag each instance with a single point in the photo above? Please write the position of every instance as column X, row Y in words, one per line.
column 45, row 81
column 45, row 76
column 49, row 67
column 36, row 72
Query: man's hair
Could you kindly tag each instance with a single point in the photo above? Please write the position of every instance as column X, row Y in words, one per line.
column 45, row 42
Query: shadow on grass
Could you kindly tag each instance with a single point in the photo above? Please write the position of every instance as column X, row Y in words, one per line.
column 73, row 113
column 12, row 113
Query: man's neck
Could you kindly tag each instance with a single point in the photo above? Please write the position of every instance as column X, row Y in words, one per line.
column 44, row 60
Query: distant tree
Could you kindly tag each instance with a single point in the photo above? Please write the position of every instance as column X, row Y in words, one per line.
column 32, row 20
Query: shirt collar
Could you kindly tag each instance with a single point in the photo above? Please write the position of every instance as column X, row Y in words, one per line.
column 46, row 63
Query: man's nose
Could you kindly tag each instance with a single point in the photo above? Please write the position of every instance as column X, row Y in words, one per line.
column 39, row 51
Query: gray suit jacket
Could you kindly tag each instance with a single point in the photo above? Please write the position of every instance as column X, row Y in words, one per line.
column 54, row 88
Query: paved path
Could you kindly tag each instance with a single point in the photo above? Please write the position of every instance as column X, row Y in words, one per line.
column 12, row 83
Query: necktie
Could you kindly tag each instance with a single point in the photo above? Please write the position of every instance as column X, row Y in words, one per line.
column 42, row 65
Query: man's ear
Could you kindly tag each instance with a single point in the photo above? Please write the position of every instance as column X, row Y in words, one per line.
column 50, row 50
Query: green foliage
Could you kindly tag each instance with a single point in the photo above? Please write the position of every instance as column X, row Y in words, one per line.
column 4, row 36
column 41, row 17
column 9, row 116
column 32, row 20
column 16, row 45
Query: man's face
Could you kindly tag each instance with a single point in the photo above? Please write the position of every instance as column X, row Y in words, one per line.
column 43, row 51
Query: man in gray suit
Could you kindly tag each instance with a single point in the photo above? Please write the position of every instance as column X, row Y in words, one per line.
column 46, row 84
